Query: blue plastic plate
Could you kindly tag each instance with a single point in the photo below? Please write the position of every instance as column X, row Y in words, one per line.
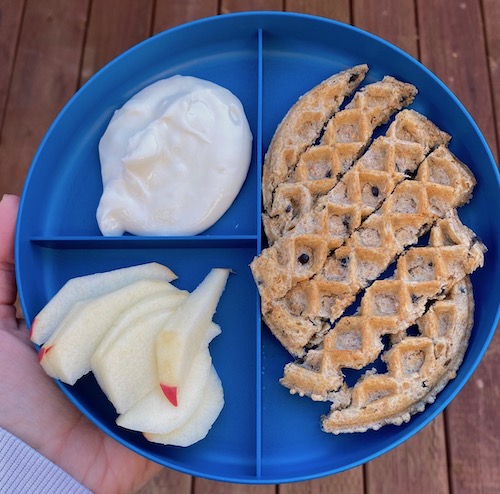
column 264, row 434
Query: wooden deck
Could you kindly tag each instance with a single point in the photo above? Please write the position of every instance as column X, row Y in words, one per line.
column 48, row 48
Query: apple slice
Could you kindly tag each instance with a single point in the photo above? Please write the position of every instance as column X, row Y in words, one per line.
column 127, row 370
column 168, row 299
column 87, row 287
column 155, row 414
column 126, row 367
column 185, row 332
column 73, row 343
column 200, row 423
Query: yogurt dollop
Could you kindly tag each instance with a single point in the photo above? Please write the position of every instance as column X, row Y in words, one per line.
column 173, row 159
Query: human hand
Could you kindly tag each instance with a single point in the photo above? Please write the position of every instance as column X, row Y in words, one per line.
column 35, row 410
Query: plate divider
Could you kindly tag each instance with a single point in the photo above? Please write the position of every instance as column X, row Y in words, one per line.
column 258, row 324
column 125, row 242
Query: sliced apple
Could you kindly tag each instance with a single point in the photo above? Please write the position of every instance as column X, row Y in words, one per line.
column 127, row 371
column 126, row 367
column 201, row 421
column 73, row 343
column 186, row 333
column 88, row 287
column 169, row 298
column 155, row 414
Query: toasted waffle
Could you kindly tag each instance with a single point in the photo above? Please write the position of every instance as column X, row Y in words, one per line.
column 293, row 192
column 418, row 368
column 306, row 281
column 303, row 124
column 388, row 306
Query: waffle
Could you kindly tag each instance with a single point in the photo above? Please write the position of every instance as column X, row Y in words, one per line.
column 306, row 281
column 302, row 125
column 316, row 171
column 388, row 306
column 418, row 368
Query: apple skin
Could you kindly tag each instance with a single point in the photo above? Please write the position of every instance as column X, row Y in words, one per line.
column 88, row 287
column 201, row 421
column 170, row 393
column 43, row 351
column 155, row 414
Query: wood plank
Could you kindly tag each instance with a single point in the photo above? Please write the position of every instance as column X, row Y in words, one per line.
column 205, row 486
column 10, row 26
column 170, row 13
column 131, row 23
column 228, row 6
column 491, row 15
column 457, row 58
column 393, row 21
column 339, row 10
column 416, row 466
column 45, row 77
column 167, row 14
column 460, row 60
column 472, row 423
column 348, row 482
column 404, row 469
column 169, row 481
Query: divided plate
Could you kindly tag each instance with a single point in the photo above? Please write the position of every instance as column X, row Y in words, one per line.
column 264, row 434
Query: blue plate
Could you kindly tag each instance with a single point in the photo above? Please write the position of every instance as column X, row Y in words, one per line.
column 263, row 435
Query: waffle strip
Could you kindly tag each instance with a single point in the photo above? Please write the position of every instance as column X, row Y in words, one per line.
column 320, row 167
column 388, row 161
column 303, row 124
column 388, row 306
column 300, row 299
column 418, row 368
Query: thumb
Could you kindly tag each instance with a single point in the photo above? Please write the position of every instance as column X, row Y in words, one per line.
column 9, row 206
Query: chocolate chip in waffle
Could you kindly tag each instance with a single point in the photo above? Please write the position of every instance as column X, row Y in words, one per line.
column 290, row 192
column 418, row 368
column 306, row 283
column 388, row 306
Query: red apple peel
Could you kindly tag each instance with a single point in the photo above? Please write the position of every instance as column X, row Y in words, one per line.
column 43, row 351
column 170, row 393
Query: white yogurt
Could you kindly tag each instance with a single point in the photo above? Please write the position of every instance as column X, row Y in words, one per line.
column 173, row 159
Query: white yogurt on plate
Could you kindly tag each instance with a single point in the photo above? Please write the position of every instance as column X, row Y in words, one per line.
column 173, row 159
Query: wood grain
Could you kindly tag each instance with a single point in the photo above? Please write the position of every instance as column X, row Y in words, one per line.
column 114, row 26
column 416, row 466
column 169, row 481
column 10, row 24
column 170, row 13
column 459, row 60
column 228, row 6
column 340, row 10
column 205, row 486
column 393, row 21
column 401, row 470
column 473, row 431
column 348, row 482
column 491, row 16
column 45, row 77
